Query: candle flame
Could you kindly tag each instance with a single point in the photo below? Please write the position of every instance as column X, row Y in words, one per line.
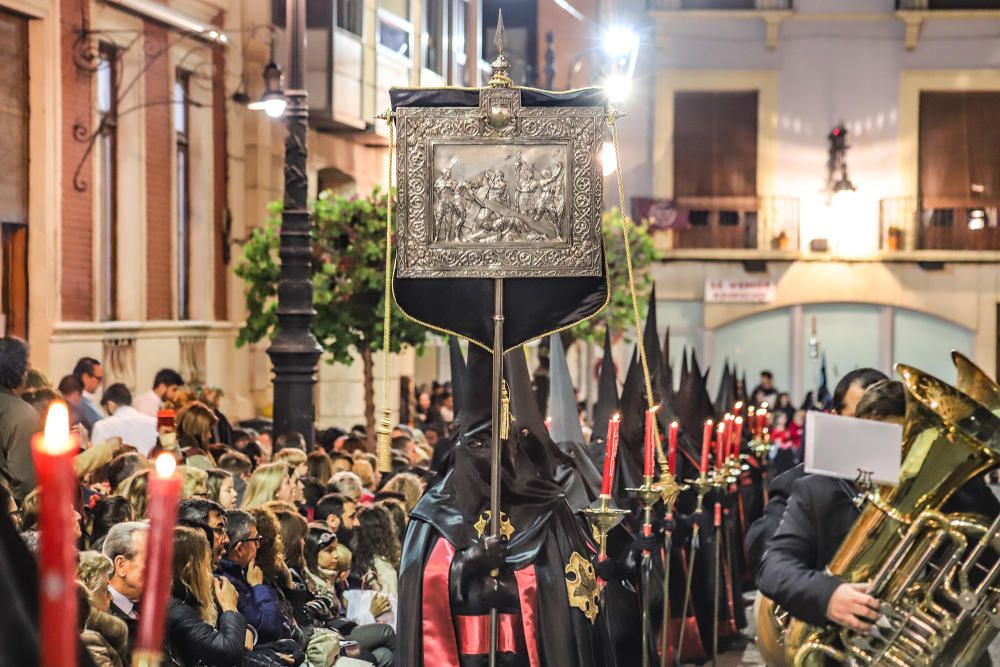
column 653, row 409
column 674, row 425
column 721, row 428
column 708, row 422
column 739, row 420
column 165, row 466
column 56, row 438
column 739, row 404
column 616, row 417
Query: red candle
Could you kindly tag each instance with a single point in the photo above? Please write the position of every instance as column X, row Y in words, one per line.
column 53, row 453
column 739, row 435
column 672, row 447
column 650, row 451
column 738, row 408
column 610, row 454
column 164, row 496
column 727, row 446
column 548, row 423
column 720, row 443
column 706, row 445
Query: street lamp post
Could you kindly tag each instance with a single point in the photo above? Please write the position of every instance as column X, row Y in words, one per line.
column 294, row 351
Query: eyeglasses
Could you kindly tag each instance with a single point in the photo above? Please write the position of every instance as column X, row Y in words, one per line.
column 257, row 540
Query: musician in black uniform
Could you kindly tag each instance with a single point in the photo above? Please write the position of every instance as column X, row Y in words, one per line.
column 846, row 395
column 821, row 511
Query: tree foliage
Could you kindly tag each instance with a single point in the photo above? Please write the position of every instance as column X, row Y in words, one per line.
column 348, row 278
column 619, row 315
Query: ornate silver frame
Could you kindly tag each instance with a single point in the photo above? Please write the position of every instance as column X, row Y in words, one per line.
column 457, row 222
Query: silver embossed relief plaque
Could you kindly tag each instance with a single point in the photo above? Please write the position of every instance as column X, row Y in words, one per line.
column 499, row 190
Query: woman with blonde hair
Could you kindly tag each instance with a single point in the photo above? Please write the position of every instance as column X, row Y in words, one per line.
column 268, row 482
column 197, row 634
column 135, row 489
column 195, row 482
column 195, row 424
column 105, row 636
column 296, row 459
column 407, row 484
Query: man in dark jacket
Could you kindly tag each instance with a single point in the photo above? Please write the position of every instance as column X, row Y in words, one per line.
column 848, row 392
column 18, row 420
column 257, row 602
column 208, row 516
column 821, row 512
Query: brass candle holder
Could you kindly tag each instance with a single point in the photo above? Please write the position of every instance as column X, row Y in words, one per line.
column 604, row 517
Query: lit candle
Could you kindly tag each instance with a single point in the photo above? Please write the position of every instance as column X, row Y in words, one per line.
column 720, row 443
column 672, row 447
column 728, row 441
column 650, row 450
column 548, row 423
column 53, row 452
column 164, row 496
column 610, row 454
column 739, row 436
column 706, row 445
column 738, row 408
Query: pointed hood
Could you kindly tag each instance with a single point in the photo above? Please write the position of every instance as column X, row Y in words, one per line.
column 651, row 341
column 456, row 499
column 566, row 464
column 632, row 409
column 668, row 369
column 684, row 366
column 458, row 372
column 607, row 403
column 726, row 396
column 562, row 397
column 694, row 405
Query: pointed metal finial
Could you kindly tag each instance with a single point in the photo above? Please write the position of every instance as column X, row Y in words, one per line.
column 500, row 77
column 498, row 36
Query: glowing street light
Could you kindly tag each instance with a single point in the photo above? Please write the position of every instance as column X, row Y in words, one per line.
column 272, row 101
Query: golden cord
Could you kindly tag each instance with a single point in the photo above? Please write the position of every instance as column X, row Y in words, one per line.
column 384, row 442
column 613, row 117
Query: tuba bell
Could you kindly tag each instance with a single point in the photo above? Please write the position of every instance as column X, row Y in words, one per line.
column 935, row 574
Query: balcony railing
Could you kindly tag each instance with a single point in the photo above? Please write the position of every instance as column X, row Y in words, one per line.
column 747, row 223
column 946, row 5
column 910, row 223
column 744, row 5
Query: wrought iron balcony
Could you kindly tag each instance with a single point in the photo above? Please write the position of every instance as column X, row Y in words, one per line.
column 712, row 5
column 761, row 223
column 946, row 5
column 910, row 223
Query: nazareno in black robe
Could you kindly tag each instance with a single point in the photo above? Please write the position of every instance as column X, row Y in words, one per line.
column 546, row 534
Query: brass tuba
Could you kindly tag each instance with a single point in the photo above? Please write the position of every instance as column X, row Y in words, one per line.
column 935, row 574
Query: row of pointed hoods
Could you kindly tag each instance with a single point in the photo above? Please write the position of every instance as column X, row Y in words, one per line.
column 562, row 438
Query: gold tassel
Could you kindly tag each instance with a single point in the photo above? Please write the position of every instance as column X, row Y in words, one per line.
column 504, row 411
column 383, row 441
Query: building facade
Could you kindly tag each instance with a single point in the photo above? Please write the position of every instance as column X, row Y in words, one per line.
column 135, row 169
column 777, row 251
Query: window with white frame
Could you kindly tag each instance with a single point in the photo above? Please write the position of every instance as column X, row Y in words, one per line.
column 107, row 108
column 181, row 121
column 394, row 27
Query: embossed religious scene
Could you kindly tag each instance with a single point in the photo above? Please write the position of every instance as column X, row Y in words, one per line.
column 499, row 194
column 500, row 189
